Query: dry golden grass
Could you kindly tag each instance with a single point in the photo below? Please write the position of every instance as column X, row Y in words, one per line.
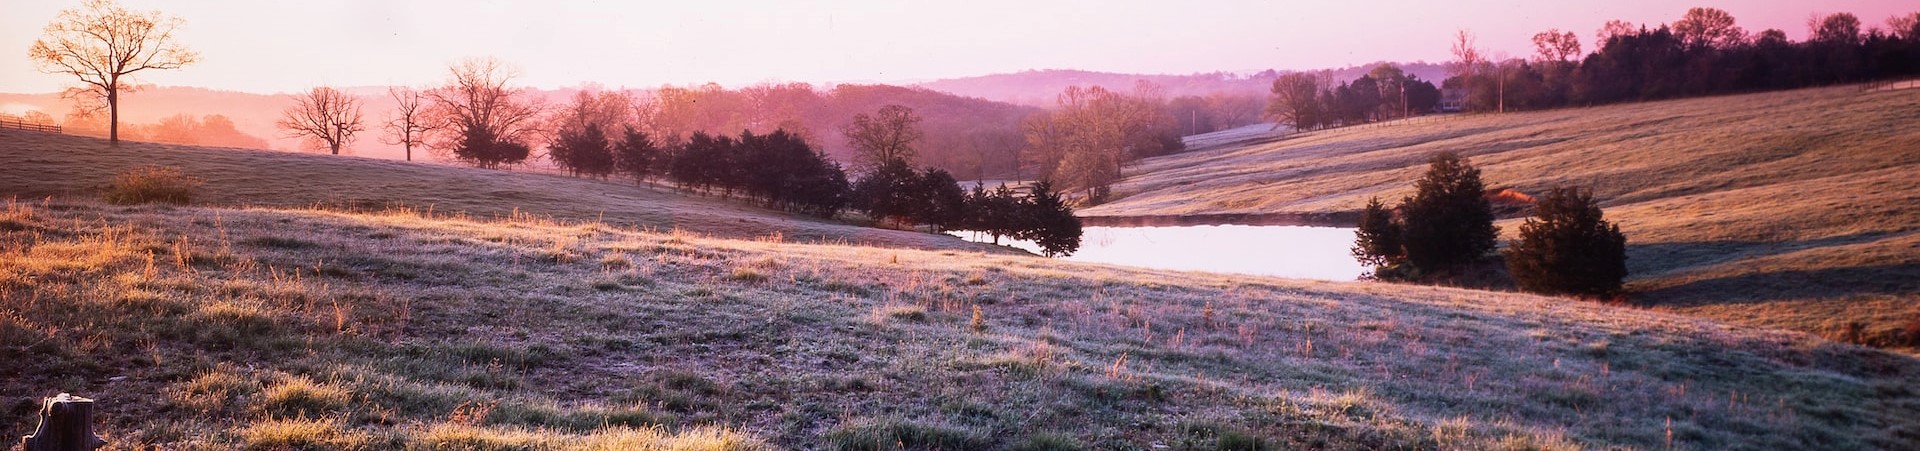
column 221, row 328
column 1790, row 209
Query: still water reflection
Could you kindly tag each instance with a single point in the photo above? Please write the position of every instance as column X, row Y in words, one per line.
column 1286, row 251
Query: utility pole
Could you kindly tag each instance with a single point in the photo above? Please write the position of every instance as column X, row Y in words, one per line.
column 1503, row 88
column 1406, row 111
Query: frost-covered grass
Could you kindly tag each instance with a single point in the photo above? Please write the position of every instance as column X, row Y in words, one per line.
column 220, row 328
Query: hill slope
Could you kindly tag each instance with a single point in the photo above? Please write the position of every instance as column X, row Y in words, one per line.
column 273, row 328
column 34, row 164
column 1791, row 209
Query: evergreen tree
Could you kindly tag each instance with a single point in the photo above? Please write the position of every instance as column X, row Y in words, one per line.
column 1050, row 222
column 819, row 188
column 1377, row 240
column 1448, row 222
column 480, row 146
column 636, row 155
column 1568, row 248
column 995, row 213
column 887, row 192
column 583, row 151
column 942, row 203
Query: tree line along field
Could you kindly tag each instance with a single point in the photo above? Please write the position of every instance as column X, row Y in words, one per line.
column 1789, row 209
column 221, row 327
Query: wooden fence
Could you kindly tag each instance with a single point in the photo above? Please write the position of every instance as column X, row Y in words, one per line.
column 12, row 121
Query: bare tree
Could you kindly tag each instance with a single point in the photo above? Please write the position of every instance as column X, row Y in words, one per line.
column 609, row 110
column 1294, row 102
column 1046, row 143
column 102, row 44
column 1612, row 29
column 1555, row 46
column 1904, row 26
column 1101, row 131
column 325, row 115
column 486, row 123
column 1708, row 28
column 1467, row 58
column 884, row 136
column 408, row 125
column 1836, row 28
column 1234, row 110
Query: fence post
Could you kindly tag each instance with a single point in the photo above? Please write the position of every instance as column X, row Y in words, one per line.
column 66, row 424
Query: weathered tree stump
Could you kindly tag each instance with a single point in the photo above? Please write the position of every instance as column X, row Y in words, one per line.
column 66, row 424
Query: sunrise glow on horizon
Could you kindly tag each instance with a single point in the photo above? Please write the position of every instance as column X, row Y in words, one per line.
column 289, row 46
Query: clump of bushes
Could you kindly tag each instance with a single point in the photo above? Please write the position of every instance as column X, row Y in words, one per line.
column 145, row 184
column 1444, row 227
column 1568, row 248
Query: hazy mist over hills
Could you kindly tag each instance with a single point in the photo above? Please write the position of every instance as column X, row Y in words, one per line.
column 1039, row 87
column 254, row 113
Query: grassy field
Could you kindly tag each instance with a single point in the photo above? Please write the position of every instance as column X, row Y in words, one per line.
column 34, row 164
column 1791, row 209
column 263, row 328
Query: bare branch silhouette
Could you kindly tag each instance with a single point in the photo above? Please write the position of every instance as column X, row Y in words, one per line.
column 102, row 44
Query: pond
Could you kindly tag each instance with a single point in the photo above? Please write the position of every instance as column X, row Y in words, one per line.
column 1271, row 250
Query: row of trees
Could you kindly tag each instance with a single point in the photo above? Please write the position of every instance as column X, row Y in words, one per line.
column 891, row 190
column 1568, row 247
column 932, row 197
column 1704, row 52
column 779, row 169
column 1306, row 100
column 782, row 170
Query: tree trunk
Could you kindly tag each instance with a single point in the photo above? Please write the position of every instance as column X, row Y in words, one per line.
column 113, row 116
column 409, row 151
column 66, row 424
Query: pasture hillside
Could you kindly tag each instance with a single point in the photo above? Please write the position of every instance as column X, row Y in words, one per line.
column 270, row 328
column 37, row 164
column 1796, row 209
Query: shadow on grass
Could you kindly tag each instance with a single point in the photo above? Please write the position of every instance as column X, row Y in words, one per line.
column 1764, row 287
column 1657, row 259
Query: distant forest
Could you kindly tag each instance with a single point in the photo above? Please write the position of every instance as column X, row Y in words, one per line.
column 1705, row 52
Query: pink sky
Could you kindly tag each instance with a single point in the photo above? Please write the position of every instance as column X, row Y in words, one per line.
column 281, row 46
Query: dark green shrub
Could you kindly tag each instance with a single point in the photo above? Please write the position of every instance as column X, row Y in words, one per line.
column 1448, row 223
column 1053, row 226
column 1568, row 248
column 1377, row 239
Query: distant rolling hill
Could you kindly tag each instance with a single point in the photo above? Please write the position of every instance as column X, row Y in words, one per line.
column 1796, row 209
column 1039, row 87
